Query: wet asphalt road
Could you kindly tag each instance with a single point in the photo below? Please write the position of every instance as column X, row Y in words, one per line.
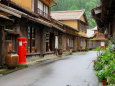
column 76, row 70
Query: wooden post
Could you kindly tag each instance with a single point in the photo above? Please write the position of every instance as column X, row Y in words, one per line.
column 56, row 45
column 41, row 42
column 1, row 43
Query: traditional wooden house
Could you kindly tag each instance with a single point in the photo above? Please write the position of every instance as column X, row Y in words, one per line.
column 67, row 39
column 76, row 20
column 96, row 40
column 105, row 17
column 30, row 19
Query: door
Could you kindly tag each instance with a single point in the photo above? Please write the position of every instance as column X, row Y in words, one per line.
column 52, row 42
column 31, row 40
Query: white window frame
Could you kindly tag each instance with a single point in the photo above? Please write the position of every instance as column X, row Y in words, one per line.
column 44, row 9
column 33, row 5
column 40, row 5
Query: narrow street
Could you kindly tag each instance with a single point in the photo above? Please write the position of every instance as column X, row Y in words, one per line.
column 75, row 70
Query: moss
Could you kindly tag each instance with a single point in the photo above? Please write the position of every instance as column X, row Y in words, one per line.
column 96, row 49
column 93, row 39
column 7, row 71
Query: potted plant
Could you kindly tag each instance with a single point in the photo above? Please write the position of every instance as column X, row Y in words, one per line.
column 105, row 66
column 102, row 77
column 111, row 73
column 60, row 50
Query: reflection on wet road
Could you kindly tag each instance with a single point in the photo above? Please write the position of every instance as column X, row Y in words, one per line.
column 76, row 70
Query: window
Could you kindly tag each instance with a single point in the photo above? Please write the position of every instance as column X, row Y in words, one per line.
column 68, row 42
column 71, row 42
column 43, row 9
column 40, row 7
column 12, row 41
column 9, row 27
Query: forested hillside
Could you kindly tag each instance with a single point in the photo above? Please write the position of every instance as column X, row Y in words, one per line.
column 77, row 5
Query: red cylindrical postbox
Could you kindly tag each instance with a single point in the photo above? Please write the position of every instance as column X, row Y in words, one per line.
column 22, row 51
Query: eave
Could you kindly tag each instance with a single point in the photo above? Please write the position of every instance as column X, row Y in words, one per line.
column 51, row 2
column 5, row 17
column 54, row 2
column 18, row 7
column 106, row 14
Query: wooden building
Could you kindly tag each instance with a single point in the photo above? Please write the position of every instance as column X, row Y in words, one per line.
column 105, row 17
column 30, row 19
column 96, row 40
column 67, row 40
column 76, row 20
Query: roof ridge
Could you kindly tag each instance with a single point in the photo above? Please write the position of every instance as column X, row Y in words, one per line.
column 82, row 10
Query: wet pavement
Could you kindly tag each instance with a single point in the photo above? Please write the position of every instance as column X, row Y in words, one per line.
column 76, row 70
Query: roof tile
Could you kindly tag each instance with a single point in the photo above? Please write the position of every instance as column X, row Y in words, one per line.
column 66, row 15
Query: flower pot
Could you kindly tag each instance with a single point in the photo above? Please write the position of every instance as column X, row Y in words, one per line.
column 60, row 51
column 11, row 60
column 103, row 82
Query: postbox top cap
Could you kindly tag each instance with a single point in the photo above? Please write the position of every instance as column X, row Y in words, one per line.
column 22, row 38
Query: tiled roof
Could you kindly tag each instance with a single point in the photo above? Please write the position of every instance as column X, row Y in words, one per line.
column 20, row 14
column 95, row 28
column 67, row 15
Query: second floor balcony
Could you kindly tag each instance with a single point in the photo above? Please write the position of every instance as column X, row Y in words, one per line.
column 43, row 14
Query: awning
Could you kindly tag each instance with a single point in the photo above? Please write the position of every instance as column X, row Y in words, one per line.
column 82, row 36
column 10, row 10
column 20, row 14
column 5, row 17
column 37, row 20
column 54, row 26
column 11, row 32
column 44, row 22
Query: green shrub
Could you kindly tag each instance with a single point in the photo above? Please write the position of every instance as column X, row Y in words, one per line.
column 105, row 65
column 96, row 49
column 98, row 66
column 101, row 75
column 111, row 85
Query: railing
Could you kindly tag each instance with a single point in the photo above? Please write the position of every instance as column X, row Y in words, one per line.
column 44, row 14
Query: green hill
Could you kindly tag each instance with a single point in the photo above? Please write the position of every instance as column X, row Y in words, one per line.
column 77, row 5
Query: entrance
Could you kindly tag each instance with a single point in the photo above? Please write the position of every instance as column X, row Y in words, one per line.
column 31, row 40
column 52, row 42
